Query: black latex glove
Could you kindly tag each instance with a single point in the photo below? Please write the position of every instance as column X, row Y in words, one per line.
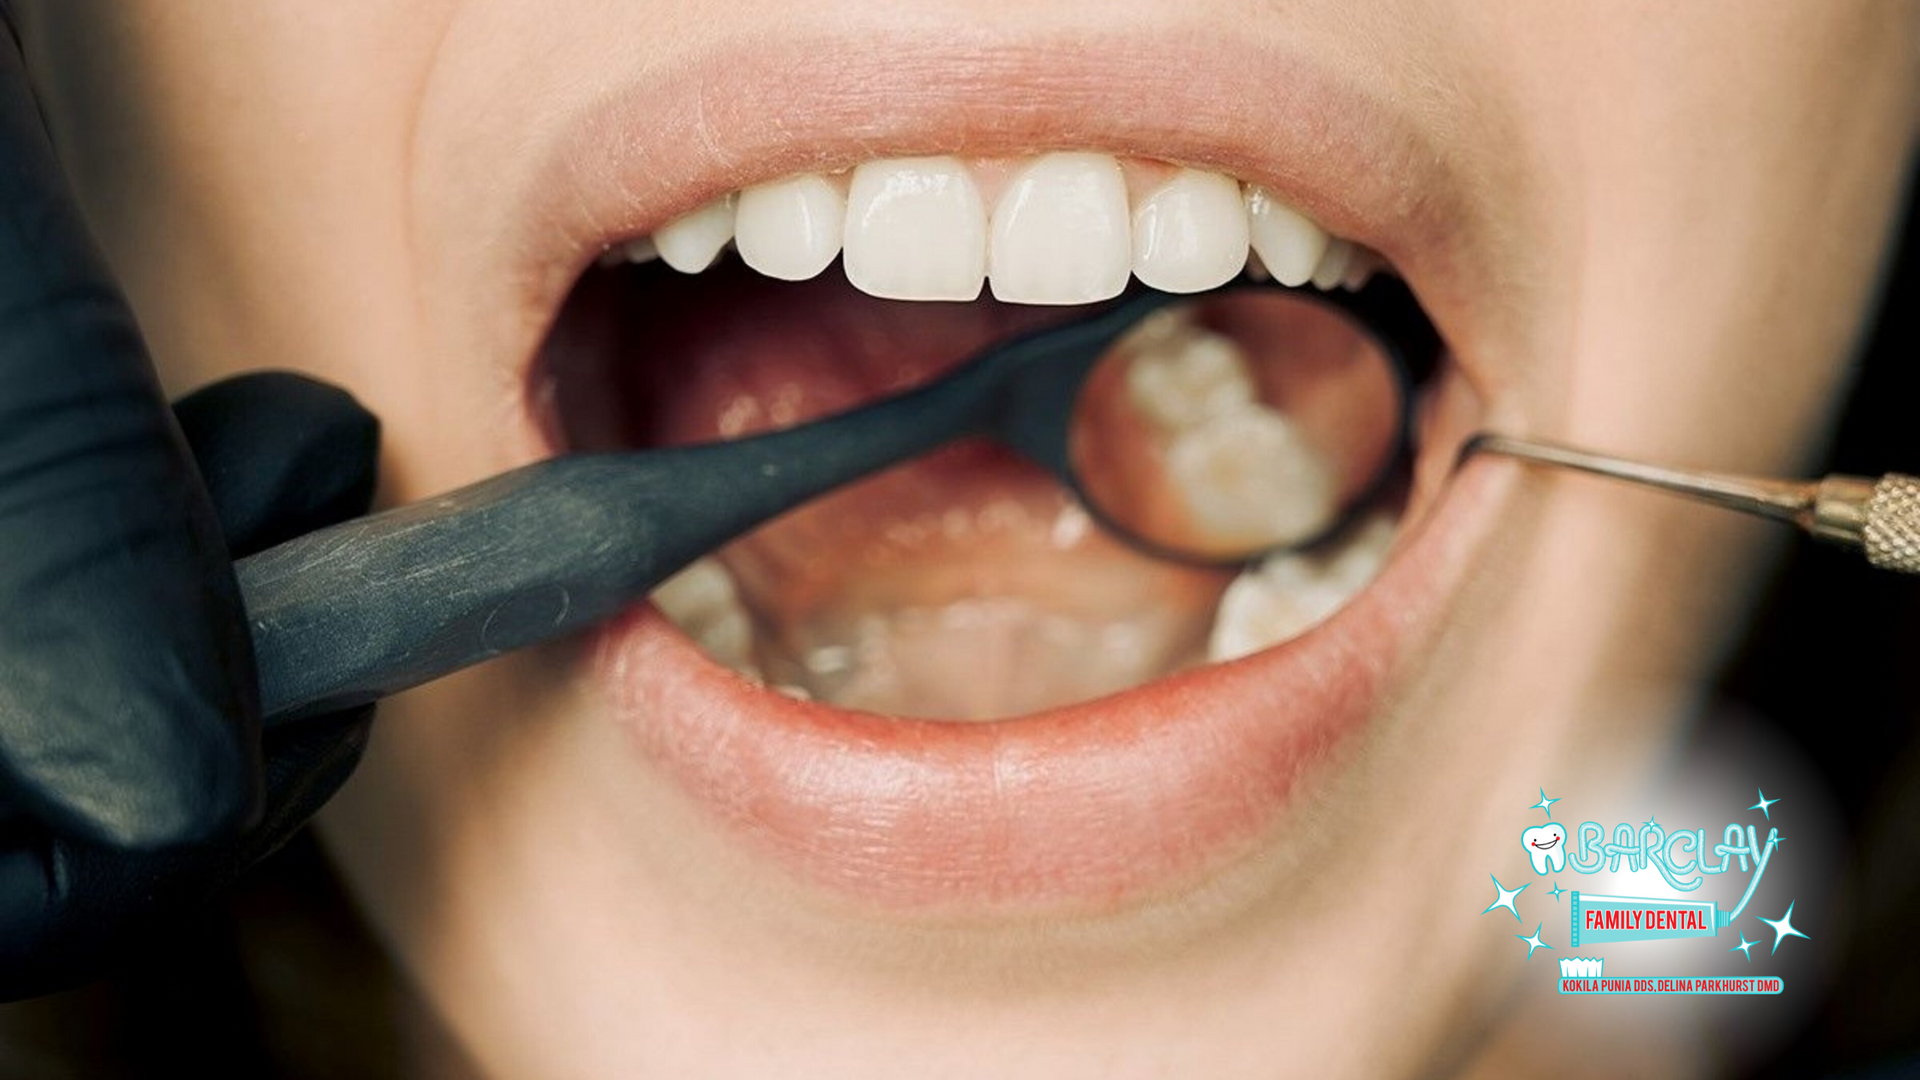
column 133, row 779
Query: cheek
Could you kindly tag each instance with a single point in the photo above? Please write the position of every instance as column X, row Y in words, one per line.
column 1712, row 199
column 243, row 166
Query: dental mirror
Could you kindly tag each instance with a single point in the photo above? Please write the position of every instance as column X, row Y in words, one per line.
column 1220, row 429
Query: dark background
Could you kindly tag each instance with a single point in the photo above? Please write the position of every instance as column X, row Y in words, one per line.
column 1834, row 661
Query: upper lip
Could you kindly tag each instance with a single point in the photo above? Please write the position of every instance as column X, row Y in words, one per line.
column 660, row 143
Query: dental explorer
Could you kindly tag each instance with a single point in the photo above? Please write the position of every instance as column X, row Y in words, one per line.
column 1879, row 517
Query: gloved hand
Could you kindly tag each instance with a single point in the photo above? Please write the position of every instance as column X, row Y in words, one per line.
column 133, row 779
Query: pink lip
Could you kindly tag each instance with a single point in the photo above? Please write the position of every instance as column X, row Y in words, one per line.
column 1103, row 800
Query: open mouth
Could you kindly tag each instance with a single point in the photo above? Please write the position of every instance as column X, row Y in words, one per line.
column 970, row 585
column 948, row 684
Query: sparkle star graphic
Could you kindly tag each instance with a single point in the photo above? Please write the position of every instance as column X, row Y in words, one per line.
column 1505, row 899
column 1651, row 823
column 1545, row 804
column 1763, row 804
column 1533, row 942
column 1745, row 948
column 1782, row 928
column 1553, row 892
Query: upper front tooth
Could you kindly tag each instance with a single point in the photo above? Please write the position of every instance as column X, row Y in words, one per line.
column 790, row 229
column 1190, row 235
column 1060, row 232
column 916, row 230
column 1288, row 244
column 691, row 242
column 1063, row 230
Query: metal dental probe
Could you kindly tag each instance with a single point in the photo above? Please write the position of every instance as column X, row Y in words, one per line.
column 1880, row 517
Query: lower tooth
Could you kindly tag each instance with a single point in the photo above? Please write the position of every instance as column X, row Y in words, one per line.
column 829, row 660
column 1249, row 476
column 1015, row 653
column 983, row 658
column 1291, row 592
column 702, row 601
column 1181, row 382
column 1246, row 473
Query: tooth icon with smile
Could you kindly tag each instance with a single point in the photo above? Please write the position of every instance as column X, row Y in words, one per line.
column 1546, row 846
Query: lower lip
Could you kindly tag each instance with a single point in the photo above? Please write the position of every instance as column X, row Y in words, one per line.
column 1091, row 804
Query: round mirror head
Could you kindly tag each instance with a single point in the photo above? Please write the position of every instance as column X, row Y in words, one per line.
column 1237, row 423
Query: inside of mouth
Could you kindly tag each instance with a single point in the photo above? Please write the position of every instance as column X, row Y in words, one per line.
column 969, row 584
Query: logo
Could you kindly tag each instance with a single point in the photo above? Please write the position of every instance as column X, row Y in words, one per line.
column 1684, row 863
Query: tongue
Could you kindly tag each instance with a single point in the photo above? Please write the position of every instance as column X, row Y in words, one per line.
column 964, row 585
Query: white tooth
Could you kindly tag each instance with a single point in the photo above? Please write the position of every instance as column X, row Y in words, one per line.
column 829, row 660
column 916, row 230
column 1546, row 846
column 702, row 601
column 1181, row 383
column 790, row 229
column 1191, row 234
column 640, row 250
column 729, row 639
column 1360, row 270
column 1333, row 265
column 1060, row 232
column 1288, row 244
column 1070, row 527
column 1249, row 476
column 691, row 242
column 696, row 593
column 1292, row 591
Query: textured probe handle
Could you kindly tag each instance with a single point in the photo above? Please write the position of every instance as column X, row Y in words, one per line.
column 1891, row 535
column 1880, row 518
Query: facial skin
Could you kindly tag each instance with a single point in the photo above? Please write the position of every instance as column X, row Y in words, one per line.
column 1665, row 221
